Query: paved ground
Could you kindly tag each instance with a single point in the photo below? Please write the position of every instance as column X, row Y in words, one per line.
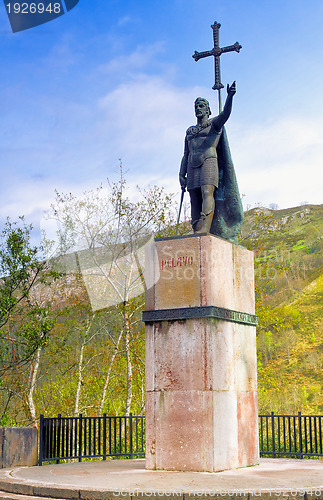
column 128, row 478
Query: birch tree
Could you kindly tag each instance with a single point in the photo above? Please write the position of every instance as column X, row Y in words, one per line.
column 108, row 230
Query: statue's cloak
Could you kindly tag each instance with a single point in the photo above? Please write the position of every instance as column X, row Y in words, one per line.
column 228, row 214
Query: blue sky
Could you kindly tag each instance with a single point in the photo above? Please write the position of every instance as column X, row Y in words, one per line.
column 115, row 79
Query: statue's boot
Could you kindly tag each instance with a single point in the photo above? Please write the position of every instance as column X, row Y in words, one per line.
column 205, row 223
column 197, row 225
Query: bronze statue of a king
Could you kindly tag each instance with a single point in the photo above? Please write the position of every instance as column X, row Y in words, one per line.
column 207, row 171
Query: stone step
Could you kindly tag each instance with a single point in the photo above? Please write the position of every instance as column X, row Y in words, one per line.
column 14, row 496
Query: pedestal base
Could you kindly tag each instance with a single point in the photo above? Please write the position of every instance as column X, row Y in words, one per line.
column 201, row 393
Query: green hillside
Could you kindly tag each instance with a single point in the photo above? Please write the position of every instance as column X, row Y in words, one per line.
column 288, row 246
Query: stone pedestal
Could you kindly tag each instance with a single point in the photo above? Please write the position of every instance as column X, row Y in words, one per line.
column 201, row 387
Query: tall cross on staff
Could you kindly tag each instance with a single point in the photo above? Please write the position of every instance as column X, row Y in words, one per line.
column 216, row 52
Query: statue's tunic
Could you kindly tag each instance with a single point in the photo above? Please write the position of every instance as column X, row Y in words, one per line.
column 201, row 148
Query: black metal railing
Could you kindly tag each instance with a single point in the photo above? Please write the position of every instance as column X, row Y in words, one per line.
column 296, row 436
column 66, row 438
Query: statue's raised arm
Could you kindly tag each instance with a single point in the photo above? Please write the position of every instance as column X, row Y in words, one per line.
column 220, row 120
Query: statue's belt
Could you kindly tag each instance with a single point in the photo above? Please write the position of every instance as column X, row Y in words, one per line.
column 197, row 159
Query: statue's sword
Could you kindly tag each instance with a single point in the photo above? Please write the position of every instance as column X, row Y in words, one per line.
column 180, row 209
column 216, row 52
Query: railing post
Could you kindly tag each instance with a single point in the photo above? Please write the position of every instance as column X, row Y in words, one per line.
column 104, row 436
column 58, row 437
column 41, row 438
column 80, row 438
column 261, row 435
column 300, row 435
column 130, row 422
column 273, row 433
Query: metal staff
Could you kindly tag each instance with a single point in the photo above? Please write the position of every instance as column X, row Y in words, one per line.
column 180, row 209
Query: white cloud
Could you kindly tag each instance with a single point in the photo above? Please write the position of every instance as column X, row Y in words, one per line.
column 147, row 119
column 124, row 20
column 280, row 162
column 128, row 64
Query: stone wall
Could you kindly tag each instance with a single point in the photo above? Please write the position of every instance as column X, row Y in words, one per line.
column 18, row 446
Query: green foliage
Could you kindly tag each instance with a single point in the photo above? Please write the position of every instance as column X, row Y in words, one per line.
column 288, row 250
column 25, row 320
column 7, row 420
column 18, row 266
column 24, row 325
